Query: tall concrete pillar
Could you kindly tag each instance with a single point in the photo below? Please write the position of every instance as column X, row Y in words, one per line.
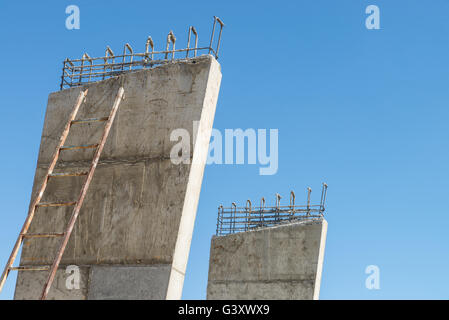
column 132, row 238
column 282, row 262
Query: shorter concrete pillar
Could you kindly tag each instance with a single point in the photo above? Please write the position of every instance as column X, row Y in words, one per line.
column 281, row 262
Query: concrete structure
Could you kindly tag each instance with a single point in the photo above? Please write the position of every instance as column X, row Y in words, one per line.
column 281, row 262
column 132, row 238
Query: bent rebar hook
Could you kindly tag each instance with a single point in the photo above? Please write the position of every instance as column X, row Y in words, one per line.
column 309, row 191
column 278, row 204
column 219, row 219
column 147, row 45
column 292, row 203
column 109, row 54
column 262, row 208
column 219, row 36
column 127, row 47
column 292, row 199
column 170, row 38
column 84, row 58
column 248, row 205
column 192, row 30
column 248, row 210
column 65, row 73
column 323, row 197
column 234, row 206
column 278, row 200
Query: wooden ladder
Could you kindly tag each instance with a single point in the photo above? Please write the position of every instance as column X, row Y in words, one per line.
column 77, row 205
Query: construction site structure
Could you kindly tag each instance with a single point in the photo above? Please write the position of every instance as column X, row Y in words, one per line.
column 24, row 234
column 273, row 253
column 131, row 237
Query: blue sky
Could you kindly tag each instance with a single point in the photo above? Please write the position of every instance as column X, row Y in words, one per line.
column 363, row 110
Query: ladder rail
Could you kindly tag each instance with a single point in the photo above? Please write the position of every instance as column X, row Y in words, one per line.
column 38, row 198
column 82, row 195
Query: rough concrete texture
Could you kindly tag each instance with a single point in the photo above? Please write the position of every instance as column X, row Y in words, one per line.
column 128, row 282
column 282, row 262
column 63, row 285
column 140, row 205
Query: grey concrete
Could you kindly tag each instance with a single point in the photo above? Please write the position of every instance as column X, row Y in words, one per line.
column 128, row 282
column 31, row 284
column 282, row 262
column 200, row 152
column 140, row 207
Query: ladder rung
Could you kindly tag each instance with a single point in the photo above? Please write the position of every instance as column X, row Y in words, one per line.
column 90, row 120
column 42, row 235
column 30, row 268
column 68, row 174
column 55, row 204
column 77, row 205
column 85, row 146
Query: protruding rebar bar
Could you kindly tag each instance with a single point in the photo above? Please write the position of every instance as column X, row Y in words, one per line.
column 323, row 196
column 213, row 35
column 71, row 70
column 192, row 30
column 262, row 208
column 130, row 50
column 63, row 73
column 170, row 39
column 309, row 191
column 147, row 45
column 74, row 71
column 292, row 203
column 278, row 203
column 109, row 54
column 220, row 210
column 84, row 58
column 235, row 219
column 248, row 213
column 219, row 36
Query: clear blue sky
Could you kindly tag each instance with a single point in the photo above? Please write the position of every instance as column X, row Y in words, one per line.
column 364, row 110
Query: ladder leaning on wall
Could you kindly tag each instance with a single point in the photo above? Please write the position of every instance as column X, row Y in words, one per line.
column 77, row 205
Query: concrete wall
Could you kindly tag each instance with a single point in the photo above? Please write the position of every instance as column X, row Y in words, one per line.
column 132, row 237
column 282, row 262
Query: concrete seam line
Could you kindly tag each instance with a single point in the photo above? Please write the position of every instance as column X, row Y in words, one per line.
column 84, row 163
column 312, row 281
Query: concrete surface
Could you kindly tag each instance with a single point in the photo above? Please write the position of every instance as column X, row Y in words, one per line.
column 282, row 262
column 128, row 282
column 30, row 282
column 140, row 207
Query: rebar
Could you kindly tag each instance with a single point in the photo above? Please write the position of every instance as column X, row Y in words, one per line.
column 241, row 219
column 76, row 73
